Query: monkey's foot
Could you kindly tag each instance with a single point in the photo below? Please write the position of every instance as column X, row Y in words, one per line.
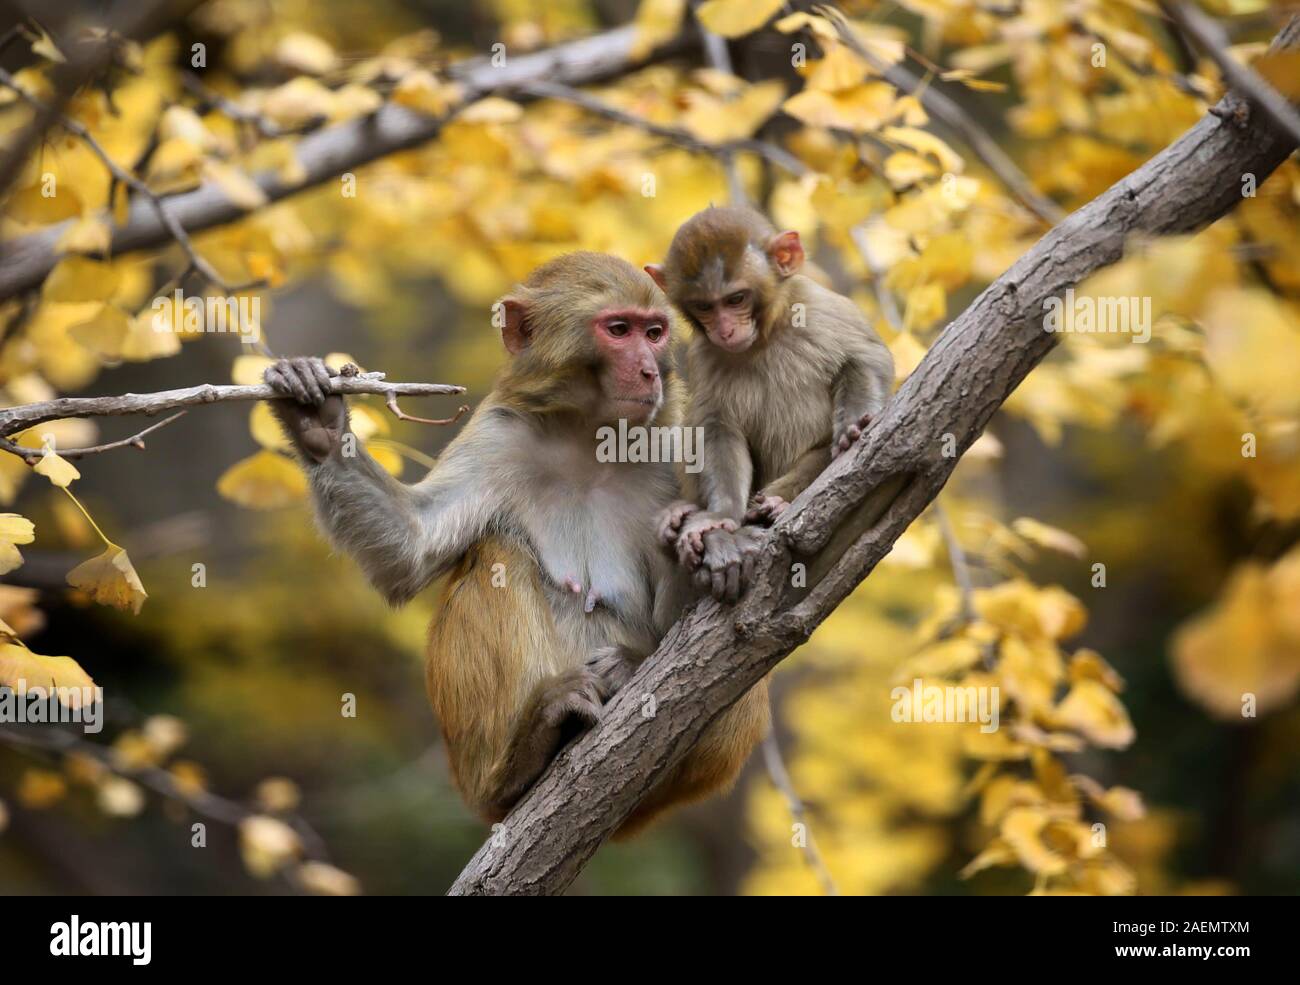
column 591, row 601
column 574, row 699
column 614, row 665
column 727, row 566
column 765, row 509
column 844, row 441
column 690, row 545
column 669, row 522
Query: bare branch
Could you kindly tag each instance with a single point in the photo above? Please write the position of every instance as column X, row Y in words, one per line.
column 684, row 138
column 847, row 521
column 951, row 115
column 781, row 780
column 33, row 455
column 204, row 803
column 334, row 150
column 24, row 416
column 1210, row 38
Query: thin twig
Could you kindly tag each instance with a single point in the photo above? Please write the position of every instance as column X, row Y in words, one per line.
column 390, row 399
column 884, row 296
column 717, row 55
column 781, row 780
column 125, row 177
column 157, row 779
column 264, row 127
column 947, row 112
column 960, row 569
column 33, row 455
column 684, row 138
column 24, row 416
column 85, row 60
column 1207, row 34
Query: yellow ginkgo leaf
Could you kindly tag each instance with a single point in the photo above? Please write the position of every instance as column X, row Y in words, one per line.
column 1092, row 709
column 248, row 370
column 326, row 880
column 1023, row 830
column 20, row 669
column 242, row 190
column 1049, row 537
column 266, row 429
column 265, row 481
column 387, row 457
column 657, row 21
column 267, row 845
column 14, row 529
column 735, row 18
column 105, row 333
column 119, row 797
column 1240, row 647
column 110, row 579
column 58, row 470
column 306, row 53
column 91, row 234
column 79, row 279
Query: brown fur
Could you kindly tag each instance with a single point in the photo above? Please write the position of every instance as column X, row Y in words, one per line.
column 515, row 669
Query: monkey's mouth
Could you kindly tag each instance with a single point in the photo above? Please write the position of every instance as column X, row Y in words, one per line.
column 639, row 401
column 735, row 343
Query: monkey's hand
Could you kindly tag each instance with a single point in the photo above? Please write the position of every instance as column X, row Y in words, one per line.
column 765, row 509
column 690, row 540
column 313, row 419
column 560, row 708
column 668, row 524
column 843, row 441
column 727, row 566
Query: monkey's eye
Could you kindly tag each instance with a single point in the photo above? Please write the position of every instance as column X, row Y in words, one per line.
column 703, row 307
column 737, row 299
column 617, row 329
column 654, row 333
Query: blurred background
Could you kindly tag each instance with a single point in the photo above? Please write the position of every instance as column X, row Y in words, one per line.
column 1118, row 553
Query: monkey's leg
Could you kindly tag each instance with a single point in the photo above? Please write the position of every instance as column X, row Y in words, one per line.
column 770, row 501
column 712, row 765
column 507, row 694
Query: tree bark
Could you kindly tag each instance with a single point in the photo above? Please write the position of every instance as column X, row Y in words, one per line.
column 843, row 524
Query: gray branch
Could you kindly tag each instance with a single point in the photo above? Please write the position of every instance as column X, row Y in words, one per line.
column 24, row 416
column 336, row 150
column 842, row 525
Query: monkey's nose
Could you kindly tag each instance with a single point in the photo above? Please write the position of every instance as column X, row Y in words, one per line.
column 650, row 373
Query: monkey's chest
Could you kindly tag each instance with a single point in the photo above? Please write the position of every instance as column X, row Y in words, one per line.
column 592, row 532
column 783, row 408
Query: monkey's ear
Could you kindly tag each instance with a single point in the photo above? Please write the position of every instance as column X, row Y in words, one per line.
column 656, row 272
column 786, row 253
column 516, row 333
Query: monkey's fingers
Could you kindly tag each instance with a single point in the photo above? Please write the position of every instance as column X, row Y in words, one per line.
column 590, row 603
column 303, row 368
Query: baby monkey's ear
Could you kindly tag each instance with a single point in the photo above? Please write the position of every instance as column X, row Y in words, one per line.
column 656, row 272
column 785, row 253
column 516, row 333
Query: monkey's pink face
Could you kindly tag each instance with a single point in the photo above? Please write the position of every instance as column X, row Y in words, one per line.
column 728, row 320
column 632, row 343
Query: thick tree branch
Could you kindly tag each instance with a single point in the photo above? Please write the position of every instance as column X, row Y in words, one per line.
column 328, row 153
column 842, row 525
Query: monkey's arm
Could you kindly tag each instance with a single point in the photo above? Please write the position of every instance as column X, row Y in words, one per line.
column 860, row 388
column 402, row 536
column 727, row 470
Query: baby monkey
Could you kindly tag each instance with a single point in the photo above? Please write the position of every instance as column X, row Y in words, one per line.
column 783, row 373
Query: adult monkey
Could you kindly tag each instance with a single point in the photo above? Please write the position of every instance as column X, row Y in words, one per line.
column 557, row 585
